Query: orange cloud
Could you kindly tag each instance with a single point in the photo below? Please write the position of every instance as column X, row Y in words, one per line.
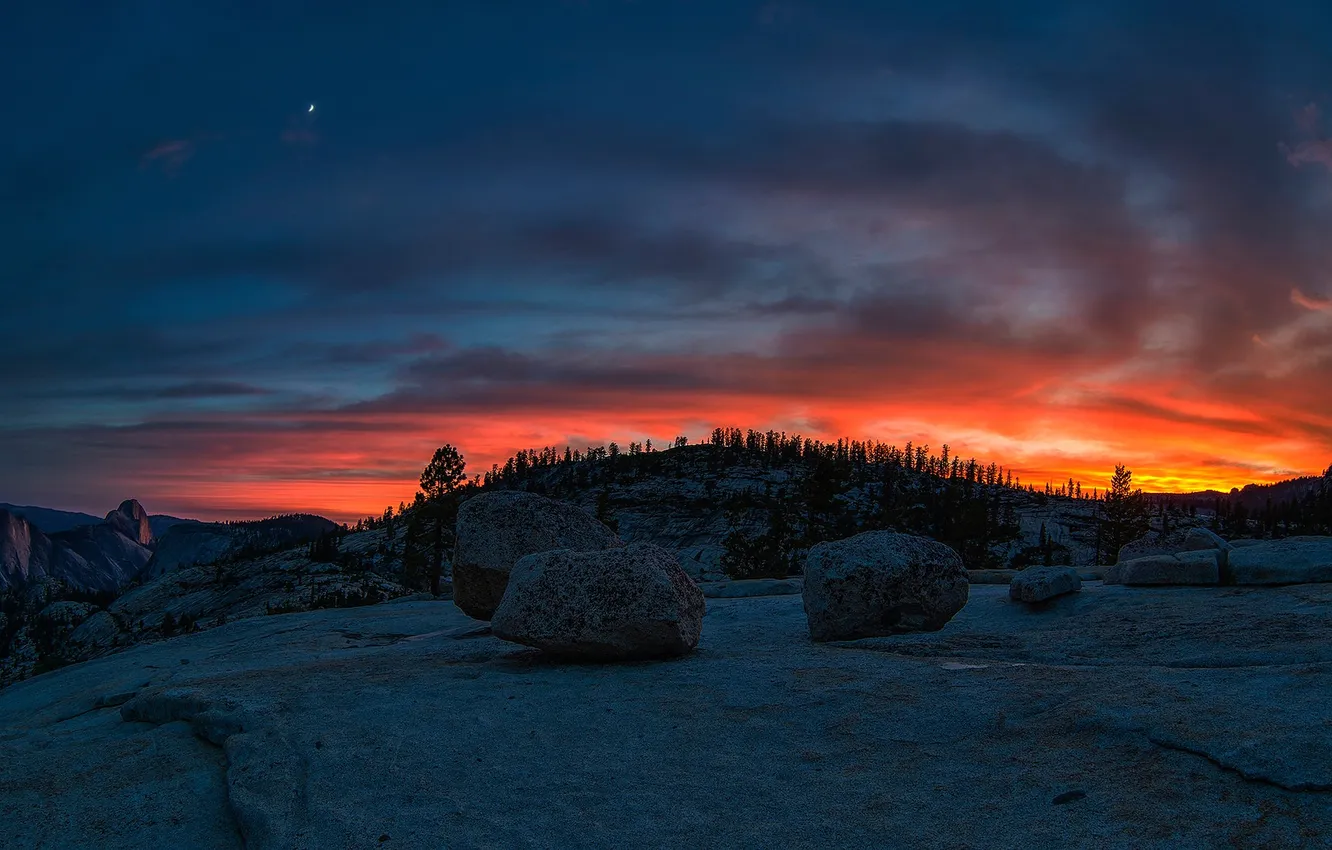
column 1310, row 302
column 351, row 466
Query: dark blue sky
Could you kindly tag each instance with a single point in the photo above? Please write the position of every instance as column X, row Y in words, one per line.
column 1057, row 234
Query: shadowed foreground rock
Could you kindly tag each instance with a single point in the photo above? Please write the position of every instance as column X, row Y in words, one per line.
column 1136, row 719
column 881, row 583
column 496, row 529
column 1184, row 568
column 1037, row 584
column 1294, row 560
column 618, row 605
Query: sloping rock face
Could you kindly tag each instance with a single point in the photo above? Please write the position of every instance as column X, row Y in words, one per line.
column 96, row 635
column 131, row 520
column 104, row 559
column 1037, row 584
column 1179, row 540
column 25, row 552
column 496, row 529
column 1294, row 560
column 616, row 605
column 881, row 583
column 1201, row 567
column 1212, row 733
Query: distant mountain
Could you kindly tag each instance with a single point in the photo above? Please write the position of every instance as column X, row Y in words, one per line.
column 1254, row 497
column 199, row 543
column 52, row 521
column 161, row 522
column 49, row 520
column 128, row 592
column 88, row 558
column 131, row 520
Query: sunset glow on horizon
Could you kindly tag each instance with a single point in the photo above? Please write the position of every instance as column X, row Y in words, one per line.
column 347, row 468
column 1057, row 239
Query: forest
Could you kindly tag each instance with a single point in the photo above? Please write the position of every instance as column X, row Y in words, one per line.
column 835, row 489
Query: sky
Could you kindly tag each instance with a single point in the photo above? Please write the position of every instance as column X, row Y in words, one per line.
column 264, row 257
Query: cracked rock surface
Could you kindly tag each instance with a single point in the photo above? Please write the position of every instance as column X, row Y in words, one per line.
column 1117, row 717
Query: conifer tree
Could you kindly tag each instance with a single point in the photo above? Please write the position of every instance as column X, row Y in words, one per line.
column 441, row 482
column 1124, row 516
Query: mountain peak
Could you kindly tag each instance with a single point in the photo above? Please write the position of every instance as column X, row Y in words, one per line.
column 131, row 520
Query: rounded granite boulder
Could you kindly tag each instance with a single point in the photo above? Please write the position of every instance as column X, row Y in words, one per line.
column 1037, row 584
column 623, row 604
column 496, row 529
column 1197, row 539
column 882, row 583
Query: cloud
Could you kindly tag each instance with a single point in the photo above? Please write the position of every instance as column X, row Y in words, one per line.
column 169, row 156
column 1061, row 227
column 1311, row 302
column 1317, row 152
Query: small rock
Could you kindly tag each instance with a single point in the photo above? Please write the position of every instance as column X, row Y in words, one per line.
column 882, row 583
column 1036, row 584
column 619, row 604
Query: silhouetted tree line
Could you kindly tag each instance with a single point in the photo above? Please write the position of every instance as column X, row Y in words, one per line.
column 1310, row 513
column 765, row 449
column 958, row 501
column 837, row 489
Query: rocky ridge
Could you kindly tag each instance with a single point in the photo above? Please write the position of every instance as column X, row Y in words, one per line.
column 683, row 501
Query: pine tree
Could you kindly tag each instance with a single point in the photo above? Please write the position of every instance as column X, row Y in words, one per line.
column 441, row 483
column 1124, row 513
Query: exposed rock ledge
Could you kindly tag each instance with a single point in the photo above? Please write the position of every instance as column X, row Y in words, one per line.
column 1190, row 717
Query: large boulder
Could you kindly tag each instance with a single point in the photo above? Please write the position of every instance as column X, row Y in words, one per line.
column 1294, row 560
column 634, row 602
column 1184, row 568
column 1037, row 584
column 496, row 529
column 1179, row 540
column 881, row 583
